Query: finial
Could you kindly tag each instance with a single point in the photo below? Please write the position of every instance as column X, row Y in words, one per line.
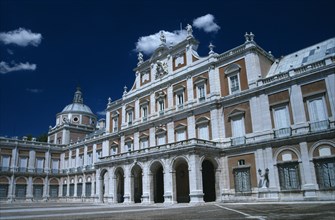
column 246, row 36
column 124, row 90
column 77, row 96
column 251, row 36
column 189, row 30
column 109, row 101
column 162, row 38
column 139, row 58
column 211, row 47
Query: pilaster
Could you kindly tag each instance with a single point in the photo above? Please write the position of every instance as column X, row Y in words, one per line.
column 195, row 175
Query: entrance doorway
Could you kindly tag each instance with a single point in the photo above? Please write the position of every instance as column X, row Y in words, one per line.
column 119, row 178
column 208, row 181
column 137, row 183
column 157, row 182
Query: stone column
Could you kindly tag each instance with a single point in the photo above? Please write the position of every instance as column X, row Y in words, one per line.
column 191, row 126
column 127, row 184
column 111, row 185
column 168, row 181
column 75, row 186
column 29, row 193
column 298, row 109
column 146, row 184
column 195, row 180
column 330, row 79
column 308, row 184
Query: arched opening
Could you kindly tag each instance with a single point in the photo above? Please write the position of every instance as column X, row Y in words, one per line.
column 157, row 182
column 103, row 178
column 136, row 174
column 119, row 178
column 54, row 186
column 4, row 183
column 208, row 181
column 182, row 182
column 38, row 189
column 21, row 188
column 64, row 188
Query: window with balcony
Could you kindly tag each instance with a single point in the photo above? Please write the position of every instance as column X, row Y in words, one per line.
column 55, row 165
column 238, row 130
column 5, row 162
column 317, row 114
column 23, row 164
column 289, row 176
column 202, row 92
column 181, row 133
column 98, row 154
column 161, row 107
column 242, row 180
column 39, row 165
column 144, row 143
column 281, row 121
column 128, row 146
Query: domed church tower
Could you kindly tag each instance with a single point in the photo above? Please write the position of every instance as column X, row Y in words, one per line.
column 73, row 123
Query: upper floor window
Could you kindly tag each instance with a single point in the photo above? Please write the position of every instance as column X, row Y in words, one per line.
column 317, row 113
column 161, row 136
column 281, row 121
column 130, row 117
column 232, row 72
column 202, row 125
column 55, row 165
column 160, row 100
column 144, row 112
column 113, row 148
column 5, row 162
column 23, row 163
column 180, row 99
column 39, row 165
column 161, row 106
column 180, row 132
column 238, row 129
column 89, row 158
column 200, row 84
column 115, row 124
column 144, row 143
column 128, row 146
column 98, row 154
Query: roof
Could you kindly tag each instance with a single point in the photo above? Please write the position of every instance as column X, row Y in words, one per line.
column 77, row 107
column 304, row 57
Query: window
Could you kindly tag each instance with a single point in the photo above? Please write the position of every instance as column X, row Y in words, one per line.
column 289, row 176
column 115, row 124
column 241, row 162
column 281, row 121
column 325, row 173
column 203, row 132
column 130, row 117
column 317, row 114
column 81, row 160
column 242, row 180
column 238, row 130
column 144, row 143
column 161, row 139
column 181, row 134
column 98, row 154
column 23, row 162
column 161, row 107
column 64, row 189
column 39, row 165
column 201, row 92
column 128, row 146
column 113, row 149
column 180, row 100
column 5, row 160
column 66, row 163
column 73, row 162
column 89, row 158
column 54, row 165
column 144, row 113
column 88, row 189
column 234, row 84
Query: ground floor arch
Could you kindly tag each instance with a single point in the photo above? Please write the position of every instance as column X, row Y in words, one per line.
column 38, row 187
column 137, row 183
column 54, row 188
column 103, row 179
column 181, row 181
column 4, row 187
column 20, row 188
column 157, row 182
column 119, row 183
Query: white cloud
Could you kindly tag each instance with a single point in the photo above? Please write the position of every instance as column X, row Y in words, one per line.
column 148, row 44
column 34, row 90
column 21, row 37
column 206, row 23
column 102, row 113
column 6, row 68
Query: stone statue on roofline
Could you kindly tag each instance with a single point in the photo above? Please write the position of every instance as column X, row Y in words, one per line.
column 162, row 37
column 189, row 30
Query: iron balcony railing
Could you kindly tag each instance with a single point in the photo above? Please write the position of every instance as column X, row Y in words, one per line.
column 238, row 141
column 319, row 125
column 283, row 132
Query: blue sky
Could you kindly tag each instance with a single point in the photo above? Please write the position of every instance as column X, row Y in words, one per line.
column 63, row 44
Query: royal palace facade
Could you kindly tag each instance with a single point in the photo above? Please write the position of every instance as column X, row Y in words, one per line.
column 236, row 126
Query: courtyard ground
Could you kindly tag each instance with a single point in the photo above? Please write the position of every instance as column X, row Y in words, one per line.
column 262, row 211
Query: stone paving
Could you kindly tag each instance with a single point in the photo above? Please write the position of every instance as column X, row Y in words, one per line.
column 261, row 211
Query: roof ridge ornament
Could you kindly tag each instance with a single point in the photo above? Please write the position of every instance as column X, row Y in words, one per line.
column 211, row 47
column 162, row 38
column 249, row 37
column 139, row 58
column 189, row 30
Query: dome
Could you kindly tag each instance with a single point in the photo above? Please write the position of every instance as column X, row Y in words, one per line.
column 77, row 107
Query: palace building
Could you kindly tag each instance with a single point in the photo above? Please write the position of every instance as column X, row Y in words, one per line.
column 237, row 126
